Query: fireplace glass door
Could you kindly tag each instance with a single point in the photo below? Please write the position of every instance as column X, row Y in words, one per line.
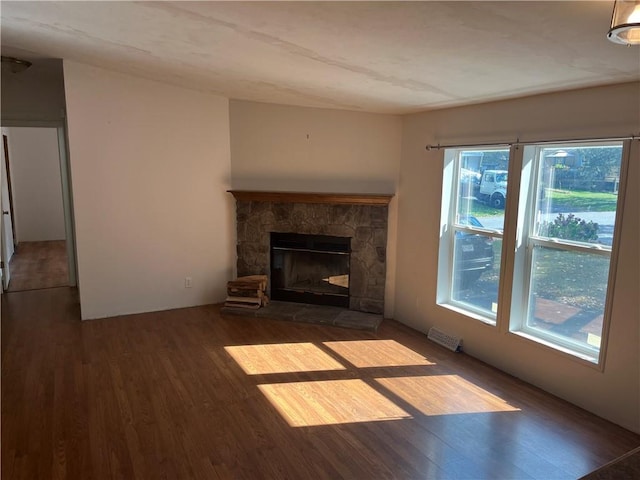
column 310, row 268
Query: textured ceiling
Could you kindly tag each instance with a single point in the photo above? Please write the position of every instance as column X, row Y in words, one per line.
column 390, row 57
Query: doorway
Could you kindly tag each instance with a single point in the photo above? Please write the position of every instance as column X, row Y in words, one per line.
column 40, row 252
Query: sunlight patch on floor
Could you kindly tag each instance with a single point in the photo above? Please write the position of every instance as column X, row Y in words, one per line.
column 305, row 404
column 377, row 353
column 445, row 395
column 282, row 358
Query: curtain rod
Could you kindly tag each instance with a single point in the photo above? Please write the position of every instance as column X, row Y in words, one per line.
column 518, row 142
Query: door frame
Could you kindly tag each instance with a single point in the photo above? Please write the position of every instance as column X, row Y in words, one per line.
column 65, row 176
column 5, row 142
column 4, row 258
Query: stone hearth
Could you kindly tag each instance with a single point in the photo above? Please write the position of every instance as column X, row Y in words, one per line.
column 316, row 314
column 362, row 218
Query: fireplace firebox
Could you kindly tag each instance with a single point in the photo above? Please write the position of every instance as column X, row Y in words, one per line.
column 310, row 268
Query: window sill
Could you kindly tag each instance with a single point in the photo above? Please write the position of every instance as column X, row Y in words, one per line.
column 590, row 360
column 469, row 313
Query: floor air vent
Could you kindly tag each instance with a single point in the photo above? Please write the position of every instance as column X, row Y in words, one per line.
column 448, row 341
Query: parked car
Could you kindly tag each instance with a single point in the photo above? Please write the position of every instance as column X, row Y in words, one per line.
column 473, row 253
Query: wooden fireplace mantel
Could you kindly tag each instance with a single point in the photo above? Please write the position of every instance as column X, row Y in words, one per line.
column 305, row 197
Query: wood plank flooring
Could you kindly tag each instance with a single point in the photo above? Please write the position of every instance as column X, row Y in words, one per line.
column 37, row 265
column 191, row 394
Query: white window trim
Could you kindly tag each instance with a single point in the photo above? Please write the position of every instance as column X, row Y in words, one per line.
column 513, row 296
column 522, row 258
column 449, row 207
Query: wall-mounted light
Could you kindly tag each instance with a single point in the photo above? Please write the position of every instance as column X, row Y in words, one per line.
column 15, row 65
column 625, row 22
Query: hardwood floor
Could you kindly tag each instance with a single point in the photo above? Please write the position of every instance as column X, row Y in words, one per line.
column 37, row 265
column 190, row 394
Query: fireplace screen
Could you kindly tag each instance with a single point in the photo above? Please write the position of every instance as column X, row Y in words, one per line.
column 310, row 268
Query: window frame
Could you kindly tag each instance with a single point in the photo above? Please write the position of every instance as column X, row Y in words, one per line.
column 449, row 226
column 527, row 240
column 518, row 244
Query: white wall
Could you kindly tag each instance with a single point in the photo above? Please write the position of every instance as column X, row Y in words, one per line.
column 150, row 164
column 36, row 184
column 598, row 112
column 285, row 148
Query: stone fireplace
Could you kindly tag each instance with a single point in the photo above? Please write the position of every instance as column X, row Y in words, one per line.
column 359, row 220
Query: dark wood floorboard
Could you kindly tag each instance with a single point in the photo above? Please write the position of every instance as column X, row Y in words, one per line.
column 191, row 394
column 36, row 265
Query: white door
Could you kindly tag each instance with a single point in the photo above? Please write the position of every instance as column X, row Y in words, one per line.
column 6, row 222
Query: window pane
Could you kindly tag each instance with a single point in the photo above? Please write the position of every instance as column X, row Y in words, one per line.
column 577, row 193
column 482, row 188
column 567, row 294
column 476, row 269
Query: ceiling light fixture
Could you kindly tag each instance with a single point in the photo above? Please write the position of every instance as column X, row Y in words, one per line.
column 15, row 65
column 625, row 22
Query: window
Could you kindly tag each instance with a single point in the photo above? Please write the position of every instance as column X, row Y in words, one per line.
column 563, row 259
column 473, row 223
column 561, row 227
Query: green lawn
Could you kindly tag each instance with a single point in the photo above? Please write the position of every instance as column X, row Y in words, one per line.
column 479, row 209
column 563, row 201
column 581, row 201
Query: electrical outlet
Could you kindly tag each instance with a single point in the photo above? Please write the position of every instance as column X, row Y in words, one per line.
column 187, row 282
